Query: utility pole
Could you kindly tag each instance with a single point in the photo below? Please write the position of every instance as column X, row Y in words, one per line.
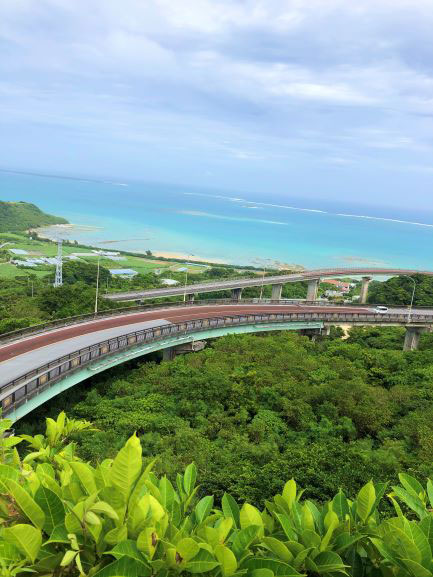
column 97, row 286
column 58, row 281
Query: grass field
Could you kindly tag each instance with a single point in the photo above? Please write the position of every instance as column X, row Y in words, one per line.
column 36, row 248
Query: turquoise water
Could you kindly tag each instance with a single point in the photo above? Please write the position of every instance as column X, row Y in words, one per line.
column 235, row 227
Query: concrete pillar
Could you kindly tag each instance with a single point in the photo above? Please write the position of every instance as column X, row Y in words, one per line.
column 364, row 289
column 411, row 339
column 276, row 292
column 236, row 294
column 168, row 354
column 313, row 286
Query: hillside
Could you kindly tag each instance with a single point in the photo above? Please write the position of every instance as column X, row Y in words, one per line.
column 16, row 216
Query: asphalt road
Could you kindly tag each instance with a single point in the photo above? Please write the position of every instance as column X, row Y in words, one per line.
column 31, row 352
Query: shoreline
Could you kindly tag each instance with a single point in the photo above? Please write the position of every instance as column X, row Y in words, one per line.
column 43, row 232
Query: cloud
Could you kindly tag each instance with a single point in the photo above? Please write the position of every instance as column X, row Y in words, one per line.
column 287, row 83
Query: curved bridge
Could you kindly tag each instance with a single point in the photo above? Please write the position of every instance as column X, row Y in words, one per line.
column 277, row 281
column 36, row 368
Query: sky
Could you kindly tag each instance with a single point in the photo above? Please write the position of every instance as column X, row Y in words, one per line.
column 326, row 99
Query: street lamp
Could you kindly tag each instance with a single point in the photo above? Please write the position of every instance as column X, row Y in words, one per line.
column 186, row 277
column 411, row 301
column 97, row 286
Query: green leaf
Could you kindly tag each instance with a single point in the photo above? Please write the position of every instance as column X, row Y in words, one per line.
column 243, row 540
column 202, row 562
column 106, row 509
column 231, row 509
column 278, row 548
column 340, row 505
column 203, row 508
column 278, row 567
column 289, row 492
column 26, row 538
column 416, row 570
column 187, row 548
column 365, row 501
column 147, row 541
column 128, row 548
column 328, row 562
column 124, row 567
column 249, row 515
column 86, row 476
column 412, row 501
column 68, row 557
column 126, row 466
column 226, row 559
column 116, row 535
column 52, row 507
column 430, row 492
column 189, row 478
column 26, row 503
column 412, row 485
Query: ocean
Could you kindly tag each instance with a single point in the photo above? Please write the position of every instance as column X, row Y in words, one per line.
column 238, row 228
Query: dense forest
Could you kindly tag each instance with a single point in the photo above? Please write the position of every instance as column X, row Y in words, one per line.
column 18, row 216
column 255, row 410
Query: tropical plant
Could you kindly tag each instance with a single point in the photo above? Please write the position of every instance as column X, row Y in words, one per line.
column 62, row 516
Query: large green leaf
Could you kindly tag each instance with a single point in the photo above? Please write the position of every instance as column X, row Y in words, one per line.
column 289, row 492
column 365, row 501
column 278, row 567
column 243, row 540
column 412, row 501
column 278, row 548
column 26, row 503
column 187, row 548
column 412, row 485
column 202, row 562
column 189, row 478
column 26, row 538
column 127, row 548
column 86, row 476
column 126, row 466
column 249, row 515
column 124, row 567
column 203, row 508
column 226, row 559
column 231, row 508
column 52, row 506
column 340, row 505
column 415, row 569
column 329, row 562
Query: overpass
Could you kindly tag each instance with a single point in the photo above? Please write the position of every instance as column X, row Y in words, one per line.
column 236, row 285
column 36, row 367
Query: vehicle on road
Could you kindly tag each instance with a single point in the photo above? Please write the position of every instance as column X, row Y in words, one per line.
column 381, row 309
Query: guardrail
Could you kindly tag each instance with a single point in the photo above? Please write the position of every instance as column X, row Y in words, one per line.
column 78, row 319
column 18, row 391
column 257, row 280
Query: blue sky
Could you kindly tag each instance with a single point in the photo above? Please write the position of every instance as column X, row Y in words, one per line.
column 322, row 99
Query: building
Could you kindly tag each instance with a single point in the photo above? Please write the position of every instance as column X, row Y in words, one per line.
column 339, row 285
column 123, row 272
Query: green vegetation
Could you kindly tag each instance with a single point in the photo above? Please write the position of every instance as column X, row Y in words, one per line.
column 17, row 216
column 59, row 515
column 253, row 411
column 398, row 291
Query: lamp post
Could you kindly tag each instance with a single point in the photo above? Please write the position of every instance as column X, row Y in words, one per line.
column 409, row 316
column 97, row 286
column 186, row 278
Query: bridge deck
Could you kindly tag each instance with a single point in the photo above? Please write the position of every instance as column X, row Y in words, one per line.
column 219, row 285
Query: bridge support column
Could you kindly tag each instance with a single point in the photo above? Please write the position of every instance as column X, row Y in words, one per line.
column 313, row 286
column 364, row 289
column 411, row 339
column 277, row 289
column 236, row 294
column 170, row 353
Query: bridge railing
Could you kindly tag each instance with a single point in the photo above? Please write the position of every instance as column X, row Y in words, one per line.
column 20, row 390
column 78, row 319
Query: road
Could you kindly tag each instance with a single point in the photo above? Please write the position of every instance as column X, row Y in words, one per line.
column 30, row 352
column 218, row 285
